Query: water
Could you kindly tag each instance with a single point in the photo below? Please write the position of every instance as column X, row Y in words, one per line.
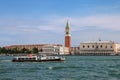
column 74, row 68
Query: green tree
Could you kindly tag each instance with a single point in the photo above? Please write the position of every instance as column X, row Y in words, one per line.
column 10, row 51
column 4, row 50
column 14, row 50
column 35, row 50
column 0, row 50
column 24, row 50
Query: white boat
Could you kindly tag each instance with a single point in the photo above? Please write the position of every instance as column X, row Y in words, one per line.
column 31, row 58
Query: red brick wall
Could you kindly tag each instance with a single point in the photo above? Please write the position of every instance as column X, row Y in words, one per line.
column 68, row 41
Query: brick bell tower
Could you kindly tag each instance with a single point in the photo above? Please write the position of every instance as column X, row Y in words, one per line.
column 67, row 36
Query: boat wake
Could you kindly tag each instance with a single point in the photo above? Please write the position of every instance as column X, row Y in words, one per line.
column 50, row 68
column 62, row 67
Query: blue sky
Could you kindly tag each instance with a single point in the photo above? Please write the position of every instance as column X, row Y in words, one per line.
column 43, row 21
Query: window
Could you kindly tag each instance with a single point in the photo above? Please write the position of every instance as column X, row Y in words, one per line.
column 88, row 46
column 111, row 47
column 93, row 46
column 22, row 58
column 83, row 46
column 105, row 46
column 101, row 46
column 96, row 46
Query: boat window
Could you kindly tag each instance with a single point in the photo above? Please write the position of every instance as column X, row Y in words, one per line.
column 34, row 58
column 27, row 58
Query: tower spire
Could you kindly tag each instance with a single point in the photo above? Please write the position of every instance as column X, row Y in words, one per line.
column 67, row 25
column 67, row 29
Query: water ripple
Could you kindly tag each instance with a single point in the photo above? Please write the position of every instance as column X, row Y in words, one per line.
column 74, row 68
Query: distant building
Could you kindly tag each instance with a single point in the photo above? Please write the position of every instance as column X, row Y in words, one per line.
column 98, row 48
column 54, row 50
column 48, row 49
column 74, row 50
column 118, row 49
column 30, row 47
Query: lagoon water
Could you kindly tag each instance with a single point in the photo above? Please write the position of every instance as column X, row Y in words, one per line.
column 74, row 68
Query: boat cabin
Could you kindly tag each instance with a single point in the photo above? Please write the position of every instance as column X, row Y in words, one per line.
column 26, row 58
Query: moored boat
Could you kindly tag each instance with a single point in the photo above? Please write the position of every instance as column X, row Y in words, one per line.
column 31, row 58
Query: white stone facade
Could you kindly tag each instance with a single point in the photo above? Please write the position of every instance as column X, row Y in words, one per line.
column 98, row 48
column 54, row 50
column 118, row 49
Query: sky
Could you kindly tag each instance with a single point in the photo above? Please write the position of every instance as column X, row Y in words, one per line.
column 44, row 21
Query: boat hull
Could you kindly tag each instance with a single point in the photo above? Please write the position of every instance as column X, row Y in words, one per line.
column 37, row 60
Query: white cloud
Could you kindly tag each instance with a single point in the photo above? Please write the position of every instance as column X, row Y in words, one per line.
column 53, row 27
column 55, row 24
column 102, row 21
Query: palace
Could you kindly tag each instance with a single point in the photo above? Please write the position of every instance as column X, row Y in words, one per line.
column 98, row 48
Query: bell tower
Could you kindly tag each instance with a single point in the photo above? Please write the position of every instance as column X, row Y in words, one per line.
column 67, row 36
